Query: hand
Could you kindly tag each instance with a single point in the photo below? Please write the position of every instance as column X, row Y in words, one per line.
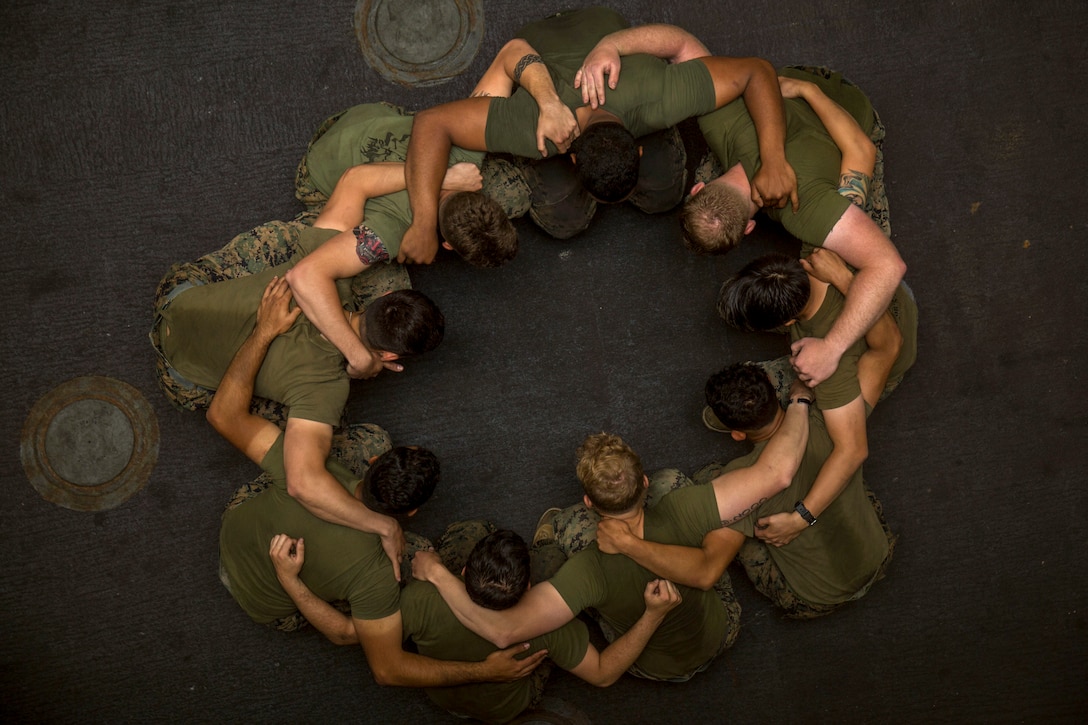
column 463, row 176
column 613, row 536
column 504, row 666
column 780, row 529
column 366, row 367
column 419, row 245
column 793, row 87
column 287, row 555
column 556, row 123
column 661, row 595
column 826, row 266
column 603, row 60
column 774, row 184
column 394, row 544
column 814, row 360
column 274, row 314
column 423, row 565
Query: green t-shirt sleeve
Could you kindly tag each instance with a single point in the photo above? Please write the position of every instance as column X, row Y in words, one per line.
column 566, row 646
column 375, row 593
column 272, row 463
column 511, row 126
column 581, row 581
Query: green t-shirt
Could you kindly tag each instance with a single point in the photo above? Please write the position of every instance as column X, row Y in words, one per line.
column 692, row 633
column 208, row 323
column 829, row 562
column 843, row 385
column 341, row 563
column 428, row 621
column 652, row 94
column 811, row 151
column 366, row 134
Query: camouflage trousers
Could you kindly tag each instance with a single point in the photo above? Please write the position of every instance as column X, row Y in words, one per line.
column 876, row 199
column 267, row 245
column 576, row 528
column 355, row 446
column 755, row 557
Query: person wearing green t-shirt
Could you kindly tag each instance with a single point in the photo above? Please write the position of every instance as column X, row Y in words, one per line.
column 696, row 631
column 806, row 297
column 718, row 214
column 263, row 537
column 672, row 77
column 200, row 327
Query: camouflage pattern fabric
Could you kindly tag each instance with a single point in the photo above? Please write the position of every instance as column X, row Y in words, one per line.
column 504, row 182
column 755, row 557
column 250, row 252
column 662, row 172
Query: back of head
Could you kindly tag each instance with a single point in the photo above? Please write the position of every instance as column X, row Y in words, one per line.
column 611, row 473
column 497, row 570
column 742, row 397
column 767, row 293
column 400, row 480
column 714, row 220
column 606, row 160
column 404, row 322
column 477, row 228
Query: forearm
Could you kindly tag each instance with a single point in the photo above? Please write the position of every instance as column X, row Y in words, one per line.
column 763, row 99
column 336, row 626
column 836, row 472
column 408, row 669
column 618, row 657
column 426, row 165
column 867, row 299
column 493, row 625
column 687, row 565
column 235, row 392
column 668, row 42
column 858, row 151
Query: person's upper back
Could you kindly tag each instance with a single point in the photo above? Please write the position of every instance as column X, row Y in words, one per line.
column 831, row 560
column 429, row 623
column 692, row 633
column 341, row 563
column 651, row 95
column 302, row 369
column 810, row 150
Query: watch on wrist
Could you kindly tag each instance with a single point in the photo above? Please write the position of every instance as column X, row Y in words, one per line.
column 799, row 507
column 806, row 401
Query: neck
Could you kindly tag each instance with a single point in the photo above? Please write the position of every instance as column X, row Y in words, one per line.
column 818, row 291
column 738, row 179
column 634, row 518
column 587, row 116
column 770, row 429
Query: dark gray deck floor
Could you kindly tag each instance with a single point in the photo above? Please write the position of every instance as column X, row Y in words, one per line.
column 136, row 134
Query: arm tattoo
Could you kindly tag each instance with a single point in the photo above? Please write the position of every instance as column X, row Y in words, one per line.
column 854, row 185
column 526, row 61
column 746, row 512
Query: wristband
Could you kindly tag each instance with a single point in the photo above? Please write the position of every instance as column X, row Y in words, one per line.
column 799, row 507
column 806, row 401
column 526, row 61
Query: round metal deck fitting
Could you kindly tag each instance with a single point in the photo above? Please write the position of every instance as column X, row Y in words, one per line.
column 419, row 43
column 90, row 443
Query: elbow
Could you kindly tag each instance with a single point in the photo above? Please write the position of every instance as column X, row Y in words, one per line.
column 298, row 277
column 383, row 676
column 215, row 417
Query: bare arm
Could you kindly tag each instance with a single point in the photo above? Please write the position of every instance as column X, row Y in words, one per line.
column 738, row 491
column 604, row 668
column 693, row 566
column 519, row 64
column 229, row 410
column 288, row 555
column 434, row 132
column 541, row 610
column 667, row 42
column 391, row 665
column 306, row 445
column 859, row 241
column 858, row 151
column 755, row 80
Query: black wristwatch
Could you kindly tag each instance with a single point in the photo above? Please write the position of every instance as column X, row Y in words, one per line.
column 806, row 401
column 799, row 507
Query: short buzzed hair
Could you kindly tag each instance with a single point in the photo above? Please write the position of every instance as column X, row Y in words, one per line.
column 714, row 220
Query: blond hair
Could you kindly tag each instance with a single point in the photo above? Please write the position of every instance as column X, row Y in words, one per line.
column 611, row 473
column 714, row 220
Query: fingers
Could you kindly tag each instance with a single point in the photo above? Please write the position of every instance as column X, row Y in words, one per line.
column 794, row 200
column 542, row 145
